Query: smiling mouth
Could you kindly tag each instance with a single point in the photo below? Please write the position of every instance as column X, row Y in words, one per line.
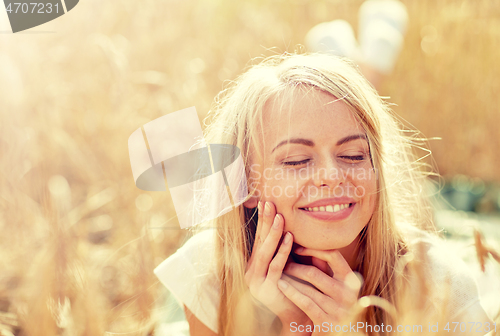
column 330, row 208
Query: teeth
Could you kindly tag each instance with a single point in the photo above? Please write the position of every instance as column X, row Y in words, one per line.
column 329, row 208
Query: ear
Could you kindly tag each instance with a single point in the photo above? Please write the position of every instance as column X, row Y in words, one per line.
column 252, row 202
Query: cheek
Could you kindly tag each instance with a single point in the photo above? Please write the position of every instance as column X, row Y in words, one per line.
column 279, row 190
column 365, row 182
column 371, row 194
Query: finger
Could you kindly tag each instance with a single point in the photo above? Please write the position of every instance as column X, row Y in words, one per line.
column 315, row 277
column 267, row 219
column 304, row 302
column 249, row 274
column 322, row 265
column 265, row 222
column 260, row 214
column 266, row 251
column 336, row 311
column 279, row 261
column 334, row 258
column 323, row 301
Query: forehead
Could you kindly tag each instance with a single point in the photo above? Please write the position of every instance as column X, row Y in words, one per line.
column 308, row 113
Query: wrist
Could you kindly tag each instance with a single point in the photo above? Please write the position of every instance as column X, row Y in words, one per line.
column 291, row 333
column 296, row 327
column 288, row 332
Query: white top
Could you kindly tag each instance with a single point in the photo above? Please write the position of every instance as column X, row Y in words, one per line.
column 190, row 276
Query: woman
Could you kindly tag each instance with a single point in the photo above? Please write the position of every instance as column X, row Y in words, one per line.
column 334, row 191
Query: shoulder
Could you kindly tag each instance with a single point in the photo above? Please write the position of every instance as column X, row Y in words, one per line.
column 190, row 275
column 195, row 257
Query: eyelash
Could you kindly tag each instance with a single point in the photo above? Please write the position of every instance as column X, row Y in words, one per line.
column 295, row 163
column 354, row 158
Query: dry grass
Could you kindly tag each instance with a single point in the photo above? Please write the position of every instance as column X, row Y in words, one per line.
column 76, row 253
column 483, row 253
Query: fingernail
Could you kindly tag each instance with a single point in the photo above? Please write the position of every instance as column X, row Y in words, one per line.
column 267, row 209
column 282, row 284
column 259, row 208
column 288, row 237
column 276, row 224
column 299, row 249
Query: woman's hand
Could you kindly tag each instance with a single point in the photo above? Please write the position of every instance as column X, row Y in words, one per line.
column 264, row 268
column 335, row 295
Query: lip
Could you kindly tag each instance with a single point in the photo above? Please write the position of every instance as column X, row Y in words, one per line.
column 329, row 201
column 330, row 216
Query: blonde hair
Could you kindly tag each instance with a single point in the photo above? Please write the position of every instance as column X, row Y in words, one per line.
column 235, row 119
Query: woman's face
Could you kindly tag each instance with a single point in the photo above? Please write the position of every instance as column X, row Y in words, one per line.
column 316, row 169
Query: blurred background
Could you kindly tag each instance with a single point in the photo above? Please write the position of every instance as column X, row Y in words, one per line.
column 79, row 241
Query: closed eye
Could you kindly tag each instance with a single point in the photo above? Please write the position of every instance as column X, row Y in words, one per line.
column 295, row 163
column 354, row 158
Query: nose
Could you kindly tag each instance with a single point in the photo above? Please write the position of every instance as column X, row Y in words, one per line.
column 328, row 173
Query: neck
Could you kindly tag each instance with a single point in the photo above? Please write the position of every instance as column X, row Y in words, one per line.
column 350, row 253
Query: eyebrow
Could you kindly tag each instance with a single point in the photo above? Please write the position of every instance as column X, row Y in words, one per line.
column 310, row 143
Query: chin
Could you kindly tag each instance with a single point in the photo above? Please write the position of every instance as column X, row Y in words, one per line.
column 319, row 244
column 325, row 239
